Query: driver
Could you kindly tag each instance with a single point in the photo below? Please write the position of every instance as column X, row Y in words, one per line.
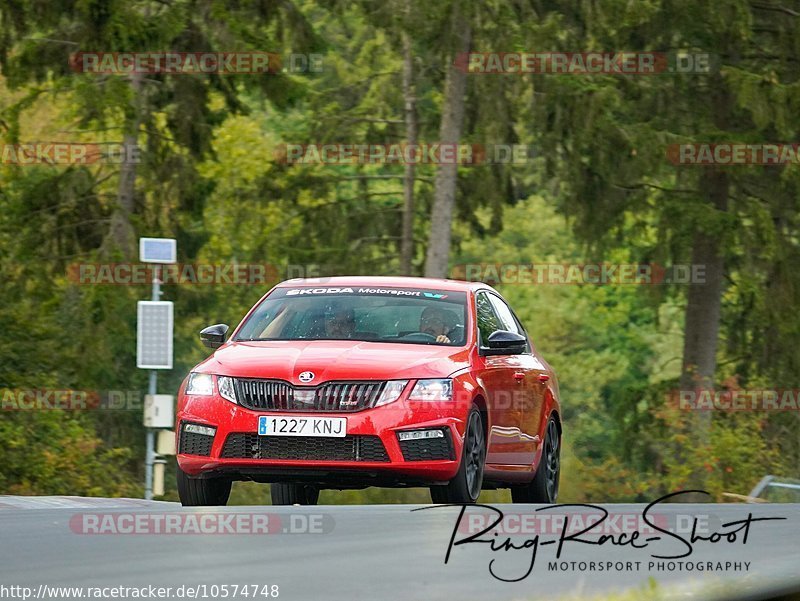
column 437, row 323
column 340, row 322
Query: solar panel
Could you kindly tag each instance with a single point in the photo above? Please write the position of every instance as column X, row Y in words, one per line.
column 157, row 250
column 154, row 334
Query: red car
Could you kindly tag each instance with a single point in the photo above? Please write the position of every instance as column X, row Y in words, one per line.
column 350, row 382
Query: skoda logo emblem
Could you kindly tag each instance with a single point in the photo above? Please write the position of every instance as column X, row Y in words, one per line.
column 306, row 376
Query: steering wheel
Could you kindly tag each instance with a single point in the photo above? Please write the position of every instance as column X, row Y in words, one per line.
column 424, row 336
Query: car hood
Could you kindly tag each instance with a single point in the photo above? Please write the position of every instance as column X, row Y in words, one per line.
column 335, row 360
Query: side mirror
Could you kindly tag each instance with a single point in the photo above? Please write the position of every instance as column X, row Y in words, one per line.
column 503, row 342
column 214, row 336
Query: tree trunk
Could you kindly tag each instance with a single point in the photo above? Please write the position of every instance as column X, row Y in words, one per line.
column 438, row 254
column 704, row 300
column 121, row 234
column 407, row 240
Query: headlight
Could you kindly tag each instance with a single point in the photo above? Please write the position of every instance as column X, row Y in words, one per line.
column 392, row 392
column 432, row 390
column 201, row 384
column 226, row 389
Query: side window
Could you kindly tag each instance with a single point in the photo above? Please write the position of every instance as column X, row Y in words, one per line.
column 488, row 322
column 508, row 319
column 505, row 314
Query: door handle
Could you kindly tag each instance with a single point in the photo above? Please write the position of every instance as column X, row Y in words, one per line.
column 543, row 377
column 519, row 376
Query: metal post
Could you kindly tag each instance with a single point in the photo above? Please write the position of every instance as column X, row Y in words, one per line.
column 150, row 453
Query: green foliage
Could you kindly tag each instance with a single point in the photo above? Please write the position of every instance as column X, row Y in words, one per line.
column 55, row 452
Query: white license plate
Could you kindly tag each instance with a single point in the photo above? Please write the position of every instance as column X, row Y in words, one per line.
column 286, row 425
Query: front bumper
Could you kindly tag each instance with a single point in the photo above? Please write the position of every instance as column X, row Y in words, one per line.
column 380, row 423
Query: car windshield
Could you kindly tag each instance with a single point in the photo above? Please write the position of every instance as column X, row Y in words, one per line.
column 385, row 314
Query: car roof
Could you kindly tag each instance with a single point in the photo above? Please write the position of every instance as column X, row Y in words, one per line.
column 393, row 281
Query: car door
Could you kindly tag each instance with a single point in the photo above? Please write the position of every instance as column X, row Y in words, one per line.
column 532, row 385
column 502, row 378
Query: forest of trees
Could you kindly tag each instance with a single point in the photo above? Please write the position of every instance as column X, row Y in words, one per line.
column 598, row 188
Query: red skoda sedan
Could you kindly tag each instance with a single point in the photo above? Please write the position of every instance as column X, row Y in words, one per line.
column 351, row 382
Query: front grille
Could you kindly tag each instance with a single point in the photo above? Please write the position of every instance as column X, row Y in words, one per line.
column 192, row 443
column 319, row 448
column 277, row 395
column 427, row 449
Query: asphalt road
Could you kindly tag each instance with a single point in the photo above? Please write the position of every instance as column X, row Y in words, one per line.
column 381, row 552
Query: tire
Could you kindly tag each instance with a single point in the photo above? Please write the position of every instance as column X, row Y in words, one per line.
column 544, row 486
column 202, row 491
column 294, row 494
column 465, row 487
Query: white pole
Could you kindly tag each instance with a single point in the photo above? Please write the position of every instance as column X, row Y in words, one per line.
column 150, row 453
